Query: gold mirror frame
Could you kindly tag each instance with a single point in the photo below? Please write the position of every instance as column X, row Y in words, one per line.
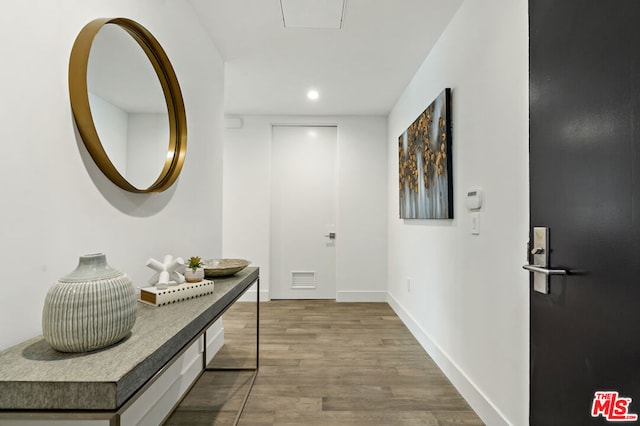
column 79, row 94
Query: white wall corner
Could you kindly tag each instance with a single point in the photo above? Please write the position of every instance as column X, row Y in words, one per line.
column 361, row 296
column 478, row 401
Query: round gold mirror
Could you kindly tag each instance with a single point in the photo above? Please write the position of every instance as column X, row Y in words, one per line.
column 127, row 105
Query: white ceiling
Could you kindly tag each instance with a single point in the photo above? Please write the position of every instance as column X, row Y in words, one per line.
column 360, row 69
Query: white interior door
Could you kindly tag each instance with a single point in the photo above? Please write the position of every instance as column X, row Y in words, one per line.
column 303, row 211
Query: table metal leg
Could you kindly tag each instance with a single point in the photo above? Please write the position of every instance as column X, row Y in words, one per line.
column 255, row 370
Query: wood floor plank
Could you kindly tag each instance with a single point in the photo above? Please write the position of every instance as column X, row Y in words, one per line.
column 431, row 402
column 355, row 418
column 324, row 363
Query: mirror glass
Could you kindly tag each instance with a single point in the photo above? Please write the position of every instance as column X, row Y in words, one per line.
column 128, row 106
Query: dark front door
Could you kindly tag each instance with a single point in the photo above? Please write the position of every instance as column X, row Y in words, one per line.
column 585, row 187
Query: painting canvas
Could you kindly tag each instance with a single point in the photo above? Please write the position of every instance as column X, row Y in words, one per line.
column 424, row 149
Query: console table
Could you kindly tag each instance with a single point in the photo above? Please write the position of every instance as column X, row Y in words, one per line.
column 140, row 380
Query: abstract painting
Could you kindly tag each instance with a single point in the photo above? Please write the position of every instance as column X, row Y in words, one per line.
column 424, row 154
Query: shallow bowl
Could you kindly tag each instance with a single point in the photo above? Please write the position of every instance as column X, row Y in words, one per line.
column 223, row 267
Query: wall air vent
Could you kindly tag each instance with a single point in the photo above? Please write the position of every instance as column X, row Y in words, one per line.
column 305, row 280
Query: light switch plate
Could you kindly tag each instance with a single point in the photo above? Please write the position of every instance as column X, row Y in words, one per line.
column 475, row 223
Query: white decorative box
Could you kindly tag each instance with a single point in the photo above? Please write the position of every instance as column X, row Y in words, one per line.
column 175, row 293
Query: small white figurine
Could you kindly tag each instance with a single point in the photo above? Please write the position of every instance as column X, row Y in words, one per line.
column 166, row 273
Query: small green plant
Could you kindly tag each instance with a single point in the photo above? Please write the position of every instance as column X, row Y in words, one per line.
column 195, row 262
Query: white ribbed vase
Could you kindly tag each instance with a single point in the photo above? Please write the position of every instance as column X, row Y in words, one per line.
column 91, row 308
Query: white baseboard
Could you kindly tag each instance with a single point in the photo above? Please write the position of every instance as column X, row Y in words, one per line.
column 342, row 296
column 215, row 340
column 469, row 391
column 250, row 296
column 361, row 296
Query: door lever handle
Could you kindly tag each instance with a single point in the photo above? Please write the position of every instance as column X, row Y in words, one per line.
column 542, row 270
column 331, row 235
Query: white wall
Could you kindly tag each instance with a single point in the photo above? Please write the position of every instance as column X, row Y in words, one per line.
column 361, row 224
column 112, row 128
column 148, row 139
column 56, row 204
column 468, row 303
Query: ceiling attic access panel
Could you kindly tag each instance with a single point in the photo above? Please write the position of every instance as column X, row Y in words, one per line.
column 320, row 14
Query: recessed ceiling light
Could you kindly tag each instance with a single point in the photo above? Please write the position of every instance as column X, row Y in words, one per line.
column 313, row 94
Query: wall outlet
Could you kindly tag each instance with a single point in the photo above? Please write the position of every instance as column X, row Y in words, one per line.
column 409, row 285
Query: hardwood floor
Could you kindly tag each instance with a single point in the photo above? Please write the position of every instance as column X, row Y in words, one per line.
column 323, row 363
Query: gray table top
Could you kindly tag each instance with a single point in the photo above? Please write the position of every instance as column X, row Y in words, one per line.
column 33, row 375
